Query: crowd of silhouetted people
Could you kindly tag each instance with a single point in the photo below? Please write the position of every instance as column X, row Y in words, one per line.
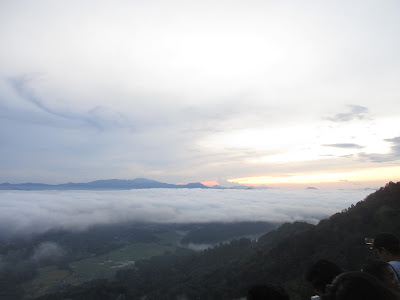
column 377, row 280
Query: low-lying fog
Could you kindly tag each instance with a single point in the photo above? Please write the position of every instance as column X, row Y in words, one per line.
column 38, row 211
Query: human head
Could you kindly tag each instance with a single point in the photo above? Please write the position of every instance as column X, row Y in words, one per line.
column 322, row 273
column 357, row 286
column 387, row 246
column 267, row 292
column 383, row 271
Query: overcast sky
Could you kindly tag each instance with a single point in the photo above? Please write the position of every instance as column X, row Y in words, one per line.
column 255, row 92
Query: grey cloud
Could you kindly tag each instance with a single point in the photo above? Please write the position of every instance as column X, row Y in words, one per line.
column 344, row 145
column 99, row 117
column 396, row 143
column 356, row 112
column 135, row 137
column 149, row 112
column 394, row 153
column 20, row 85
column 34, row 212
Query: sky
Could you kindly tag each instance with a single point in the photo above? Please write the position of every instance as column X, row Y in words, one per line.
column 230, row 92
column 27, row 212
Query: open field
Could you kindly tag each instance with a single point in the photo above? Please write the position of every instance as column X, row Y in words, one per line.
column 101, row 266
column 105, row 266
column 47, row 278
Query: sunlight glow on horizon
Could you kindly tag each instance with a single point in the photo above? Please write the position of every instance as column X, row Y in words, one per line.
column 210, row 183
column 307, row 141
column 383, row 175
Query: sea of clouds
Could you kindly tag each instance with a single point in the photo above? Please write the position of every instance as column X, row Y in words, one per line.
column 26, row 212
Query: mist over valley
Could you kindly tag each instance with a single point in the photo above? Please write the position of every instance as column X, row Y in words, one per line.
column 56, row 240
column 27, row 212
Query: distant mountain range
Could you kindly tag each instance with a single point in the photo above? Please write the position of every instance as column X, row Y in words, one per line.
column 109, row 184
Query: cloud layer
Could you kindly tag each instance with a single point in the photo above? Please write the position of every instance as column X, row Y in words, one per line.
column 25, row 212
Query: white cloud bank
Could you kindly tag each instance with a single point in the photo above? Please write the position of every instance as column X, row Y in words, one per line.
column 37, row 211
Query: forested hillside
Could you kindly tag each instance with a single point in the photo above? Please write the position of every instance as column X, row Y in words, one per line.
column 281, row 256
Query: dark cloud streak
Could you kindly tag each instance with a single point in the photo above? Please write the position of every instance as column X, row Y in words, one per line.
column 393, row 155
column 356, row 112
column 344, row 145
column 94, row 118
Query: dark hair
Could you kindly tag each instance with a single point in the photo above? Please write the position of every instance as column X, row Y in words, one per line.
column 376, row 268
column 388, row 241
column 357, row 286
column 322, row 273
column 267, row 292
